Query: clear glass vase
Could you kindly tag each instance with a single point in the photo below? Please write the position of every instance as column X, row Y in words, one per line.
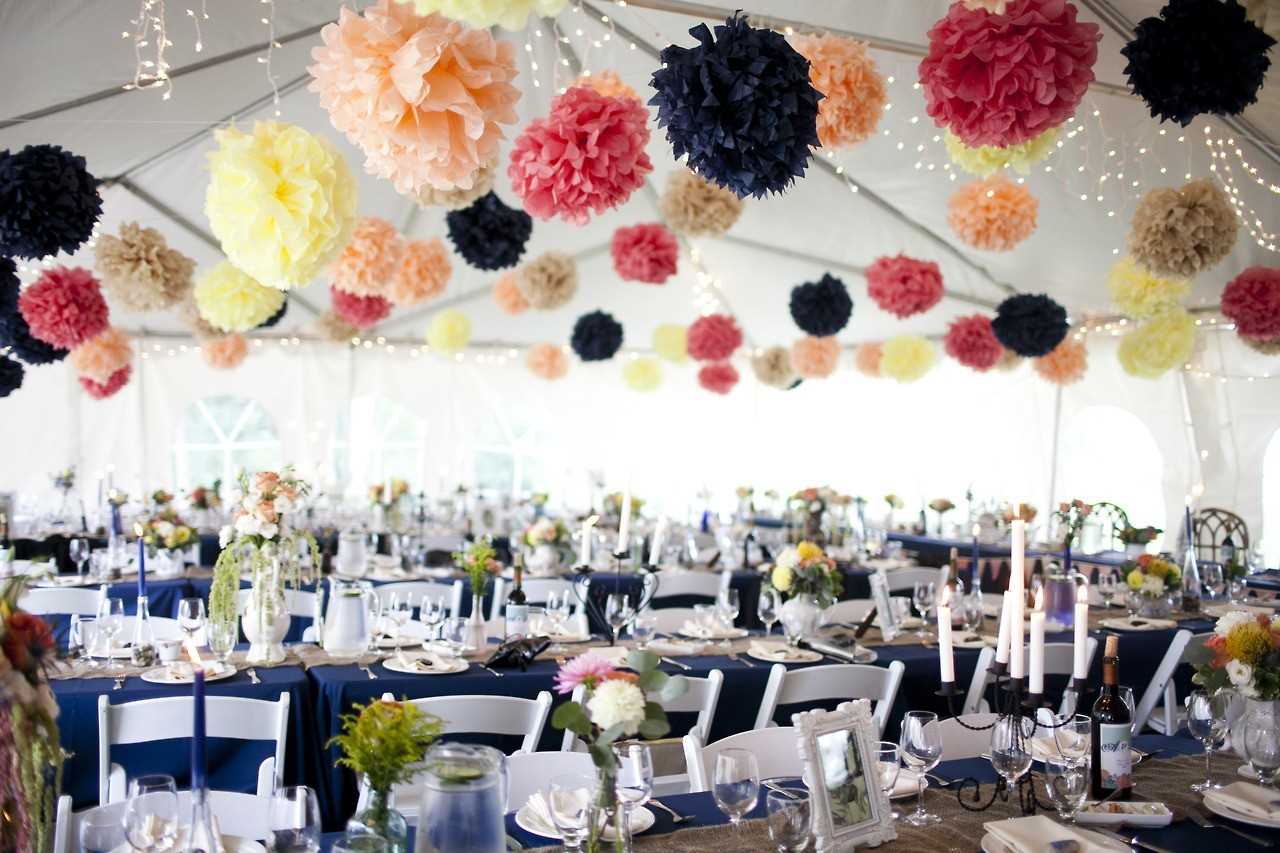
column 607, row 813
column 378, row 818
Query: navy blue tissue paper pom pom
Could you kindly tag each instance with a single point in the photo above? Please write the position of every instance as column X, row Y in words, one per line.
column 49, row 202
column 276, row 317
column 596, row 336
column 1030, row 324
column 11, row 373
column 821, row 308
column 488, row 234
column 14, row 332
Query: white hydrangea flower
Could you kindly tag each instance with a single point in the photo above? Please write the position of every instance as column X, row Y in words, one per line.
column 249, row 503
column 164, row 528
column 789, row 558
column 224, row 536
column 1231, row 620
column 617, row 703
column 1241, row 674
column 283, row 504
column 1153, row 585
column 268, row 530
column 247, row 525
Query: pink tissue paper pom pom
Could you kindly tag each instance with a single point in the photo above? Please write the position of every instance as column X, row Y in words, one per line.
column 1251, row 300
column 645, row 252
column 815, row 358
column 718, row 377
column 422, row 274
column 360, row 311
column 1001, row 79
column 102, row 355
column 64, row 307
column 972, row 342
column 866, row 358
column 369, row 261
column 508, row 296
column 713, row 337
column 546, row 361
column 225, row 353
column 994, row 213
column 103, row 390
column 904, row 286
column 587, row 156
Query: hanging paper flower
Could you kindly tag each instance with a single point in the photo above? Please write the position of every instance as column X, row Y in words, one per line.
column 587, row 156
column 508, row 14
column 1181, row 232
column 1139, row 294
column 670, row 340
column 773, row 368
column 904, row 286
column 546, row 361
column 906, row 358
column 995, row 7
column 815, row 358
column 994, row 213
column 596, row 336
column 367, row 262
column 103, row 390
column 226, row 352
column 853, row 92
column 15, row 334
column 64, row 307
column 102, row 355
column 740, row 106
column 607, row 83
column 11, row 373
column 422, row 96
column 821, row 308
column 488, row 234
column 986, row 160
column 1030, row 324
column 1251, row 300
column 139, row 269
column 549, row 281
column 422, row 273
column 232, row 301
column 1010, row 361
column 457, row 198
column 334, row 329
column 1065, row 365
column 1001, row 79
column 363, row 312
column 647, row 252
column 9, row 288
column 1159, row 345
column 506, row 293
column 972, row 342
column 1198, row 56
column 449, row 331
column 275, row 318
column 189, row 316
column 280, row 201
column 719, row 377
column 866, row 358
column 697, row 208
column 1262, row 345
column 642, row 374
column 713, row 337
column 49, row 202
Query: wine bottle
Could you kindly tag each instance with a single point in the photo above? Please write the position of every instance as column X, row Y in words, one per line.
column 517, row 605
column 1112, row 766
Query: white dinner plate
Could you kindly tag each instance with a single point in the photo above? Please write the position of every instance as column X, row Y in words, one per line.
column 780, row 652
column 440, row 666
column 181, row 674
column 641, row 820
column 1222, row 810
column 991, row 844
column 1139, row 623
column 963, row 640
column 1217, row 610
column 675, row 647
column 702, row 634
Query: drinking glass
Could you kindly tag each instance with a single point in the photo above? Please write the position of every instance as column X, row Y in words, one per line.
column 110, row 622
column 151, row 813
column 923, row 597
column 100, row 831
column 635, row 783
column 361, row 843
column 617, row 612
column 736, row 783
column 80, row 636
column 1126, row 696
column 1108, row 586
column 728, row 606
column 888, row 768
column 454, row 635
column 1010, row 747
column 1213, row 578
column 1067, row 782
column 971, row 612
column 398, row 612
column 789, row 819
column 557, row 620
column 1262, row 748
column 643, row 628
column 570, row 799
column 431, row 614
column 1072, row 737
column 191, row 618
column 707, row 619
column 767, row 608
column 1133, row 603
column 1237, row 590
column 223, row 634
column 1207, row 723
column 921, row 747
column 78, row 550
column 295, row 820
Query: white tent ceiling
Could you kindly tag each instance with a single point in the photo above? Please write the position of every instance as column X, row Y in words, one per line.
column 66, row 61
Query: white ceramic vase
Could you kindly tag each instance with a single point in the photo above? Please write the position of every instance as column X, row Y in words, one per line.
column 477, row 629
column 800, row 617
column 265, row 628
column 544, row 560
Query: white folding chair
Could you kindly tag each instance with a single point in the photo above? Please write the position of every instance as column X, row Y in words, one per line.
column 450, row 592
column 978, row 683
column 1169, row 717
column 1161, row 684
column 671, row 619
column 59, row 601
column 530, row 772
column 775, row 751
column 497, row 598
column 242, row 815
column 681, row 582
column 850, row 611
column 1059, row 659
column 900, row 579
column 163, row 719
column 961, row 742
column 843, row 681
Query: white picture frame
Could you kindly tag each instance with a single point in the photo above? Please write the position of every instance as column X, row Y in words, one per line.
column 839, row 752
column 888, row 620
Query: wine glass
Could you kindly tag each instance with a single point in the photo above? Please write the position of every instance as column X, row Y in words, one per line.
column 295, row 820
column 398, row 612
column 971, row 611
column 728, row 606
column 617, row 612
column 1072, row 737
column 223, row 634
column 100, row 831
column 635, row 783
column 78, row 550
column 557, row 619
column 151, row 813
column 643, row 628
column 1067, row 783
column 1010, row 748
column 888, row 768
column 736, row 783
column 569, row 799
column 81, row 636
column 923, row 596
column 767, row 608
column 1262, row 749
column 453, row 633
column 789, row 818
column 431, row 613
column 191, row 618
column 1213, row 578
column 1126, row 696
column 1207, row 723
column 1108, row 586
column 921, row 747
column 361, row 843
column 110, row 622
column 1132, row 603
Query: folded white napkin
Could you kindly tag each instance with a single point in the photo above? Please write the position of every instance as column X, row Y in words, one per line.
column 1034, row 835
column 775, row 651
column 1248, row 798
column 540, row 810
column 907, row 783
column 616, row 655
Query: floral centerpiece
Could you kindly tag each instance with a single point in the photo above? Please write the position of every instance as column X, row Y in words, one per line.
column 941, row 506
column 615, row 704
column 1153, row 579
column 1136, row 539
column 547, row 538
column 811, row 506
column 31, row 756
column 386, row 498
column 166, row 534
column 1071, row 515
column 1244, row 654
column 480, row 563
column 810, row 582
column 613, row 505
column 206, row 497
column 161, row 498
column 1018, row 512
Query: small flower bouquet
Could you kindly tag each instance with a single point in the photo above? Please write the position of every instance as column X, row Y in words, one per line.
column 206, row 498
column 1020, row 512
column 480, row 563
column 941, row 505
column 893, row 501
column 161, row 498
column 1139, row 535
column 167, row 530
column 807, row 570
column 545, row 531
column 377, row 492
column 1153, row 579
column 1071, row 515
column 1244, row 653
column 117, row 498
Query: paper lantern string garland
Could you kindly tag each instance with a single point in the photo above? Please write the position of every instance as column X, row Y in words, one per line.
column 1030, row 324
column 821, row 308
column 596, row 336
column 489, row 235
column 49, row 202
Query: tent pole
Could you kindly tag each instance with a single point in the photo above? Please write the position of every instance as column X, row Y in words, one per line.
column 1053, row 451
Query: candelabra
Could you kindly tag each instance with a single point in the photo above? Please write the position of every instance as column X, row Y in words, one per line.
column 591, row 604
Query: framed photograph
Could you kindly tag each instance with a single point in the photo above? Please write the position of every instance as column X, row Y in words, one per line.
column 885, row 614
column 839, row 753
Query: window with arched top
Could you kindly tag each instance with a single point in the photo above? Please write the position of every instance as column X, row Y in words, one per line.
column 377, row 438
column 1271, row 501
column 221, row 435
column 510, row 454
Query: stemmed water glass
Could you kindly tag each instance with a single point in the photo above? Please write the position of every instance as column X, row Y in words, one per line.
column 557, row 619
column 295, row 820
column 78, row 550
column 921, row 747
column 888, row 768
column 1108, row 586
column 80, row 636
column 1072, row 737
column 110, row 622
column 971, row 611
column 151, row 813
column 431, row 614
column 1067, row 782
column 728, row 606
column 736, row 783
column 223, row 634
column 923, row 597
column 1262, row 749
column 635, row 784
column 767, row 608
column 617, row 612
column 1213, row 578
column 570, row 799
column 397, row 614
column 643, row 628
column 191, row 618
column 789, row 818
column 1010, row 747
column 1207, row 723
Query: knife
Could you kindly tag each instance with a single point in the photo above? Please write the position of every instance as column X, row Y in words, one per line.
column 1130, row 842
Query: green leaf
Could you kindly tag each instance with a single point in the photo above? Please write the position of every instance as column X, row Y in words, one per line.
column 674, row 688
column 652, row 681
column 610, row 734
column 642, row 661
column 602, row 755
column 571, row 716
column 652, row 729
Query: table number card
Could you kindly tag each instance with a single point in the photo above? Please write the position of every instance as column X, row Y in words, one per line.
column 889, row 628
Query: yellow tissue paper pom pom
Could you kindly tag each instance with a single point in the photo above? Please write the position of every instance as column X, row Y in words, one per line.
column 449, row 331
column 781, row 578
column 1159, row 345
column 986, row 160
column 280, row 201
column 508, row 14
column 232, row 301
column 642, row 374
column 907, row 357
column 669, row 341
column 1140, row 294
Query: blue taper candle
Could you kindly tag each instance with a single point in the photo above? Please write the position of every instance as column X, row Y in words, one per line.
column 1187, row 522
column 198, row 777
column 142, row 560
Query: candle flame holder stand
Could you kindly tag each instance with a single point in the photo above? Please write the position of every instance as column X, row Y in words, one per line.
column 595, row 608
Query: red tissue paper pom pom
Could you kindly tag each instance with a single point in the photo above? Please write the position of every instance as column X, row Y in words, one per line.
column 713, row 337
column 1252, row 301
column 971, row 341
column 718, row 377
column 1001, row 79
column 645, row 252
column 904, row 286
column 64, row 308
column 360, row 311
column 587, row 156
column 103, row 390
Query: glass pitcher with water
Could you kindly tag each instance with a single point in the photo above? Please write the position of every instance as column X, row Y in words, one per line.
column 348, row 622
column 1060, row 586
column 353, row 553
column 464, row 797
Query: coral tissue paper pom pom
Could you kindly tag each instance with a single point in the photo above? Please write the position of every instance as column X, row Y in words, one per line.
column 642, row 374
column 449, row 331
column 1251, row 300
column 821, row 308
column 225, row 353
column 488, row 234
column 103, row 390
column 546, row 361
column 102, row 355
column 1065, row 365
column 904, row 286
column 906, row 358
column 549, row 281
column 233, row 302
column 422, row 96
column 139, row 269
column 422, row 274
column 506, row 293
column 670, row 340
column 866, row 358
column 587, row 156
column 363, row 312
column 280, row 201
column 713, row 337
column 698, row 208
column 1181, row 232
column 49, row 202
column 773, row 368
column 993, row 214
column 1159, row 345
column 718, row 377
column 508, row 14
column 596, row 336
column 1030, row 324
column 64, row 307
column 853, row 92
column 647, row 252
column 971, row 341
column 1139, row 294
column 11, row 374
column 367, row 263
column 1001, row 79
column 815, row 358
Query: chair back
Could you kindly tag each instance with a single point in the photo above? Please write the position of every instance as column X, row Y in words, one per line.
column 701, row 697
column 242, row 815
column 978, row 683
column 530, row 772
column 1167, row 718
column 537, row 590
column 51, row 601
column 842, row 681
column 1059, row 659
column 684, row 583
column 850, row 611
column 775, row 750
column 1161, row 682
column 960, row 741
column 1212, row 527
column 906, row 579
column 451, row 592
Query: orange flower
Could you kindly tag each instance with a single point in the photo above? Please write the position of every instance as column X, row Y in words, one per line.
column 267, row 512
column 265, row 481
column 619, row 675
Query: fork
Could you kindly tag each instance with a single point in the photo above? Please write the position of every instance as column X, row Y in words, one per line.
column 676, row 817
column 364, row 667
column 491, row 671
column 253, row 676
column 733, row 656
column 119, row 682
column 1200, row 820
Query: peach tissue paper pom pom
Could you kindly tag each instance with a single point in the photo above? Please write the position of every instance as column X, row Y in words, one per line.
column 506, row 293
column 422, row 274
column 587, row 156
column 994, row 213
column 103, row 390
column 904, row 286
column 906, row 358
column 1251, row 300
column 718, row 377
column 972, row 342
column 101, row 356
column 866, row 359
column 64, row 307
column 853, row 91
column 225, row 353
column 713, row 337
column 609, row 84
column 363, row 312
column 815, row 358
column 647, row 252
column 423, row 97
column 546, row 361
column 366, row 264
column 1065, row 365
